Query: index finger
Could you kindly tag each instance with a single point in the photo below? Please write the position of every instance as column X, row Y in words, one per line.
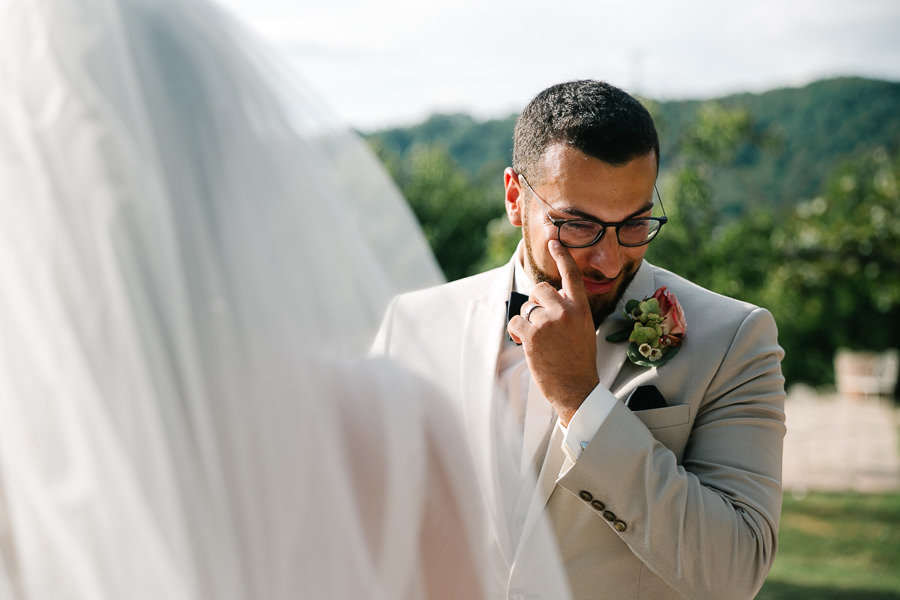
column 572, row 283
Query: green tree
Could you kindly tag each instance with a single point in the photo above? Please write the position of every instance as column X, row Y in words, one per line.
column 502, row 239
column 829, row 269
column 837, row 281
column 452, row 209
column 696, row 242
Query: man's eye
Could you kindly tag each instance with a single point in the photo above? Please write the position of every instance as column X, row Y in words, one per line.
column 635, row 225
column 582, row 226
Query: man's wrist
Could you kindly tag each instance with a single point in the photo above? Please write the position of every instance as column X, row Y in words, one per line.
column 573, row 399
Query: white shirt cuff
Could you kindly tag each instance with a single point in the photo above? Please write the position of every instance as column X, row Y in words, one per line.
column 586, row 421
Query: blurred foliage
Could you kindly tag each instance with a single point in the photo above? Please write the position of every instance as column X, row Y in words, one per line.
column 836, row 278
column 451, row 207
column 800, row 136
column 828, row 268
column 475, row 146
column 690, row 244
column 786, row 199
column 502, row 239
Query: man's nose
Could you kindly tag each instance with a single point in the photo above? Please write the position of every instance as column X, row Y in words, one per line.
column 606, row 255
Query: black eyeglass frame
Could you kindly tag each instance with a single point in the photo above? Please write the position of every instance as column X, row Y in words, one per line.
column 604, row 226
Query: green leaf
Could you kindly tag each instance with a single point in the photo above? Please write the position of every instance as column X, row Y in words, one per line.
column 630, row 308
column 619, row 336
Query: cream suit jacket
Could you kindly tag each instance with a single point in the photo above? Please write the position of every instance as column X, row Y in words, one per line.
column 675, row 502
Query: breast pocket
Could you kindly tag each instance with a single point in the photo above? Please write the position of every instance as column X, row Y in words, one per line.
column 670, row 425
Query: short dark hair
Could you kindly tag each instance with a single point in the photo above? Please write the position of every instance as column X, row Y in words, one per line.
column 593, row 117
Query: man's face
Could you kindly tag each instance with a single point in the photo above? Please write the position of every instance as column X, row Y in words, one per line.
column 575, row 185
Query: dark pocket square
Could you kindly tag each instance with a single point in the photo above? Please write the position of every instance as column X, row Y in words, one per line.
column 645, row 398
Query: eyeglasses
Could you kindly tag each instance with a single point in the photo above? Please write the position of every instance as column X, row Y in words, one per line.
column 581, row 233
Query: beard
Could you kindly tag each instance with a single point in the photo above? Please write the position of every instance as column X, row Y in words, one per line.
column 602, row 305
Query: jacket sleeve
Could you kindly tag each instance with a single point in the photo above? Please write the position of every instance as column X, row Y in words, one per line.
column 706, row 526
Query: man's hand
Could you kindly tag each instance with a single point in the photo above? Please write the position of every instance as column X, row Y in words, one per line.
column 559, row 337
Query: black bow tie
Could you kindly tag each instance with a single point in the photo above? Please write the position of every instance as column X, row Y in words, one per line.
column 514, row 307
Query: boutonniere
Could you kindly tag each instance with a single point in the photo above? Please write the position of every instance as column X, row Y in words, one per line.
column 658, row 327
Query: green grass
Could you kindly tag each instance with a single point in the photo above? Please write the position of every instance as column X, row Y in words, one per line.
column 834, row 546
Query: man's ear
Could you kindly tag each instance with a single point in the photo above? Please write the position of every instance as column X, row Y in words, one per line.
column 515, row 197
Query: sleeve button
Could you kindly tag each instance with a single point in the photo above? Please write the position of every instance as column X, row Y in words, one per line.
column 586, row 495
column 598, row 506
column 609, row 516
column 620, row 526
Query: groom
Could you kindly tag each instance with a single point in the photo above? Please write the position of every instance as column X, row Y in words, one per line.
column 658, row 458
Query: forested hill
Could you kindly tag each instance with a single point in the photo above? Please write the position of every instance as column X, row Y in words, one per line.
column 807, row 132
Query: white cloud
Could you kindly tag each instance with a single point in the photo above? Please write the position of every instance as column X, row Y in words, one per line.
column 395, row 61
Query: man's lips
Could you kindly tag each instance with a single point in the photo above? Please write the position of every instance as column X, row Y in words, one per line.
column 601, row 287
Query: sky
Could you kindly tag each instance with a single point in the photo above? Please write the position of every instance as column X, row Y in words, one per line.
column 395, row 62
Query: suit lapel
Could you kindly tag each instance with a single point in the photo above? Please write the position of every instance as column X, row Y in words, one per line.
column 483, row 333
column 611, row 356
column 554, row 460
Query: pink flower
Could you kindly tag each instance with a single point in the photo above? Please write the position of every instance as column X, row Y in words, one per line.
column 672, row 321
column 657, row 329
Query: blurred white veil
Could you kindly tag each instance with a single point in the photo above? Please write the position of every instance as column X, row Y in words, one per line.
column 194, row 258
